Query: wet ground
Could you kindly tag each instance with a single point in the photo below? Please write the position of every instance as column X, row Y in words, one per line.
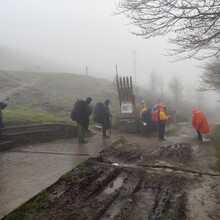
column 140, row 177
column 27, row 170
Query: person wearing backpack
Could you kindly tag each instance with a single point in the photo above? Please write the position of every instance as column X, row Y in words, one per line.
column 80, row 114
column 98, row 113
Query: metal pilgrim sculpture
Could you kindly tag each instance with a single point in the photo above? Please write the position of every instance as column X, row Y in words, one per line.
column 127, row 121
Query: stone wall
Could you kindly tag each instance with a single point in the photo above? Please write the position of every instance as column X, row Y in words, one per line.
column 36, row 133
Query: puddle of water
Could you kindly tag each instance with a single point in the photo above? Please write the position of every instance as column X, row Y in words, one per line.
column 121, row 165
column 114, row 185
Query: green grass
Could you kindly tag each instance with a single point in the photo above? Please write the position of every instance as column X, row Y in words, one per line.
column 66, row 176
column 29, row 116
column 24, row 211
column 84, row 167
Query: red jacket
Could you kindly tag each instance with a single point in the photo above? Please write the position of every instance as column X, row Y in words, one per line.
column 199, row 122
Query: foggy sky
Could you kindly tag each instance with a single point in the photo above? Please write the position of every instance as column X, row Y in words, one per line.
column 85, row 33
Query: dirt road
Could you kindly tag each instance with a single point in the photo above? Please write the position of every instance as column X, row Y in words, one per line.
column 140, row 178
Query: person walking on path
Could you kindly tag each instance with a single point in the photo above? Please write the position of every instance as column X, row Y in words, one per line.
column 146, row 119
column 106, row 118
column 162, row 117
column 200, row 123
column 80, row 114
column 2, row 106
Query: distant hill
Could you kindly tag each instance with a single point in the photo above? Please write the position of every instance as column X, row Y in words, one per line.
column 36, row 97
column 11, row 59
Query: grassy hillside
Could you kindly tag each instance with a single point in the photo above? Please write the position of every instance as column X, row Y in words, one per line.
column 49, row 97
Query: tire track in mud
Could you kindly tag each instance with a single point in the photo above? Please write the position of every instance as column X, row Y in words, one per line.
column 110, row 192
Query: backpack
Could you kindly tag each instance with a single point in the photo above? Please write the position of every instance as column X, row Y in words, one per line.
column 155, row 116
column 98, row 112
column 78, row 108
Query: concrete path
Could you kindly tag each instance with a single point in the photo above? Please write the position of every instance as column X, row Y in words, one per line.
column 27, row 170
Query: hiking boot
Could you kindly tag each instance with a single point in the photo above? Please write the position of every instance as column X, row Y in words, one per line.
column 162, row 139
column 84, row 142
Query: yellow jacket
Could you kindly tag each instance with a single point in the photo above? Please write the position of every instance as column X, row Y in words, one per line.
column 142, row 110
column 162, row 115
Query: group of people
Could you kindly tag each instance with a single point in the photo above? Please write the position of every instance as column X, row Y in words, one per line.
column 154, row 119
column 81, row 112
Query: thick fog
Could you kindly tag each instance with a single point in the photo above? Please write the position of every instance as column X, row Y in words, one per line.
column 85, row 37
column 85, row 33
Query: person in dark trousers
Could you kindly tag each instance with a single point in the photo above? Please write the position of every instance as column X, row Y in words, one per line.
column 82, row 118
column 106, row 118
column 163, row 117
column 2, row 106
column 146, row 118
column 87, row 120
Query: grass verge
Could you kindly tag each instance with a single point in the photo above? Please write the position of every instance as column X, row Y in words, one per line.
column 29, row 116
column 33, row 205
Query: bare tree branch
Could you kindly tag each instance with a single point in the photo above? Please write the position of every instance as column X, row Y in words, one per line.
column 196, row 24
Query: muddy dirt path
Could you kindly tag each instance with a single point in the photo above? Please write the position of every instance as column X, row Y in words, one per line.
column 141, row 178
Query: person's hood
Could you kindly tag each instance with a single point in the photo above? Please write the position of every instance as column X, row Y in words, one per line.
column 3, row 105
column 195, row 110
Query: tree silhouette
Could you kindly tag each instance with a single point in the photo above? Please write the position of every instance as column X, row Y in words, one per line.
column 211, row 76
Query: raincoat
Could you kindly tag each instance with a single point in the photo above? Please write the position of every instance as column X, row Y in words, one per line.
column 199, row 122
column 163, row 117
column 142, row 110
